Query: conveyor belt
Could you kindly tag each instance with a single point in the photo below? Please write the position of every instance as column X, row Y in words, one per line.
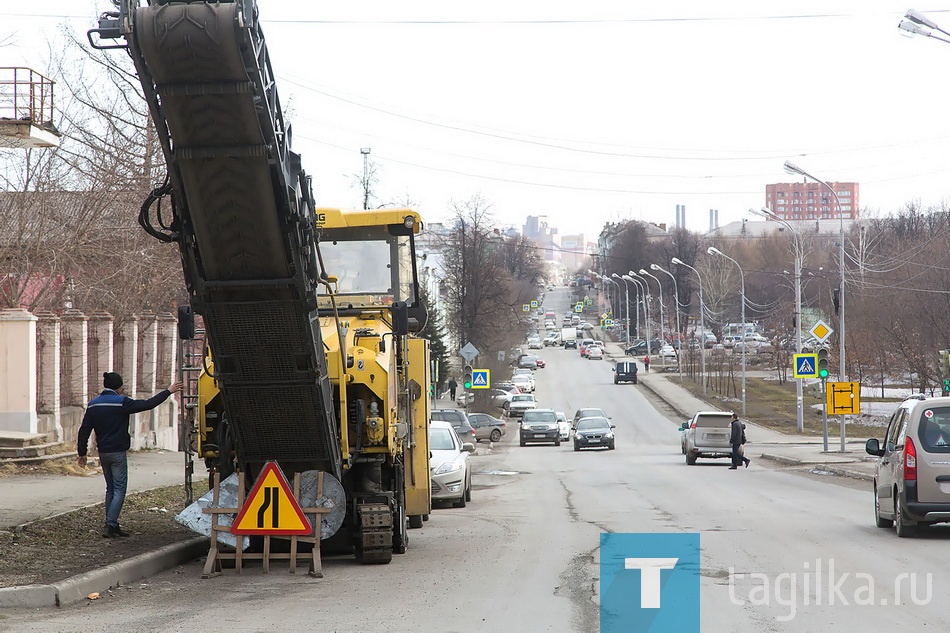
column 209, row 70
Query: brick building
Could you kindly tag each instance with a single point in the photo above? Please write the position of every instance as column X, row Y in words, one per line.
column 812, row 201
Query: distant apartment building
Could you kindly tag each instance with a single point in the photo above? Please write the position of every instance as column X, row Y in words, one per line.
column 812, row 201
column 573, row 251
column 536, row 229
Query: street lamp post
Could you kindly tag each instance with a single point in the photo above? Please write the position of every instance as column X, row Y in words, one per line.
column 660, row 286
column 712, row 250
column 626, row 291
column 640, row 302
column 792, row 168
column 702, row 321
column 676, row 306
column 799, row 262
column 646, row 309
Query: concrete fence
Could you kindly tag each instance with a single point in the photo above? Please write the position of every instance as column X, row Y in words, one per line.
column 51, row 366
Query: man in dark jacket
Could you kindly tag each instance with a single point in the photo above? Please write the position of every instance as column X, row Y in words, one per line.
column 737, row 439
column 452, row 387
column 108, row 415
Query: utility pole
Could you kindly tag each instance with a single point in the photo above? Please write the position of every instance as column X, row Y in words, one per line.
column 365, row 152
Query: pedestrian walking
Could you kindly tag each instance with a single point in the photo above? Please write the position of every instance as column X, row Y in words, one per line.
column 452, row 387
column 646, row 363
column 737, row 439
column 108, row 415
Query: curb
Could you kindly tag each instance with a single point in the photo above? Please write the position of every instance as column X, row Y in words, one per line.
column 831, row 468
column 77, row 587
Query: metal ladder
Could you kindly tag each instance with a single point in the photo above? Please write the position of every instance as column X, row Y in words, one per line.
column 191, row 352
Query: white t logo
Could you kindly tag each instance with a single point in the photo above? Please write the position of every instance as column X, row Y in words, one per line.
column 649, row 578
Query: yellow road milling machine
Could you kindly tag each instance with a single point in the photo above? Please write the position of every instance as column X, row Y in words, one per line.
column 309, row 314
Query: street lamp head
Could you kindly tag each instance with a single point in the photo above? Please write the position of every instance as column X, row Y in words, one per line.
column 676, row 261
column 792, row 168
column 712, row 250
column 615, row 276
column 919, row 18
column 655, row 267
column 643, row 272
column 627, row 278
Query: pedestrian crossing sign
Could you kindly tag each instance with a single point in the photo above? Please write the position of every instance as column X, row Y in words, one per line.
column 579, row 306
column 481, row 378
column 805, row 366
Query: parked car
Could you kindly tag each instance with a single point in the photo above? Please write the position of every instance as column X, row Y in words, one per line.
column 487, row 427
column 450, row 475
column 459, row 421
column 625, row 371
column 535, row 343
column 501, row 397
column 911, row 486
column 594, row 432
column 464, row 398
column 539, row 425
column 667, row 352
column 521, row 403
column 639, row 348
column 595, row 352
column 528, row 361
column 563, row 425
column 588, row 413
column 708, row 435
column 523, row 382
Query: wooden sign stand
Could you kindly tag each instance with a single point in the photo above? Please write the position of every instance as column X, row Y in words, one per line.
column 215, row 555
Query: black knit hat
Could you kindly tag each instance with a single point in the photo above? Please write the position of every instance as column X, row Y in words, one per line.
column 111, row 380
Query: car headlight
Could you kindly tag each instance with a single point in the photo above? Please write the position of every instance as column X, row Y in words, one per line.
column 448, row 467
column 609, row 436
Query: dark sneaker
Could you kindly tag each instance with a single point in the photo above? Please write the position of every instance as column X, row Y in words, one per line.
column 118, row 531
column 108, row 532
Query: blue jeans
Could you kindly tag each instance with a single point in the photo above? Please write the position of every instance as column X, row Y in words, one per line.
column 115, row 468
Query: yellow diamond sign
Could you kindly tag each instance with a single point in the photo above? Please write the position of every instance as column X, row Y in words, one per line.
column 821, row 331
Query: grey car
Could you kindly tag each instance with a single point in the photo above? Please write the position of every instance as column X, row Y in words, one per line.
column 912, row 482
column 707, row 435
column 539, row 425
column 459, row 420
column 487, row 427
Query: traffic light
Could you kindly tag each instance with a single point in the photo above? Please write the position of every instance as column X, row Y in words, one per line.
column 467, row 377
column 944, row 356
column 822, row 363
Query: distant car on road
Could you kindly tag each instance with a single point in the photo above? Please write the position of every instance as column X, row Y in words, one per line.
column 625, row 371
column 521, row 403
column 595, row 352
column 594, row 432
column 487, row 427
column 563, row 425
column 588, row 413
column 539, row 425
column 524, row 382
column 450, row 474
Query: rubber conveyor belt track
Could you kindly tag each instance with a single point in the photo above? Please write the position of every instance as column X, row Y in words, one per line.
column 265, row 339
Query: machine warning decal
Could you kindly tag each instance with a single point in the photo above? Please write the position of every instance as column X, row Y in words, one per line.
column 271, row 508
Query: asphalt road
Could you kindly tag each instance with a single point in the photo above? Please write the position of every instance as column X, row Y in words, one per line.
column 524, row 555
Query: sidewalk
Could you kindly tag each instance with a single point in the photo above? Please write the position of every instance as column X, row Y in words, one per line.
column 27, row 498
column 784, row 448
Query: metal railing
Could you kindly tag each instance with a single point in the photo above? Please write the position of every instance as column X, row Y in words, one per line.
column 25, row 95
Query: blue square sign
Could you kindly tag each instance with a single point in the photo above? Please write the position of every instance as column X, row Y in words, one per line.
column 649, row 582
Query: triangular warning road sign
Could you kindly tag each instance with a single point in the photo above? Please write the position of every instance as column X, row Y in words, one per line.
column 271, row 508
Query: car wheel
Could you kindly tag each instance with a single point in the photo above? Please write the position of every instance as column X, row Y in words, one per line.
column 904, row 529
column 522, row 442
column 495, row 435
column 557, row 442
column 612, row 446
column 576, row 447
column 460, row 503
column 616, row 382
column 468, row 492
column 690, row 460
column 881, row 523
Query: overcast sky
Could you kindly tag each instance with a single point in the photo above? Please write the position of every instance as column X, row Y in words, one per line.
column 596, row 111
